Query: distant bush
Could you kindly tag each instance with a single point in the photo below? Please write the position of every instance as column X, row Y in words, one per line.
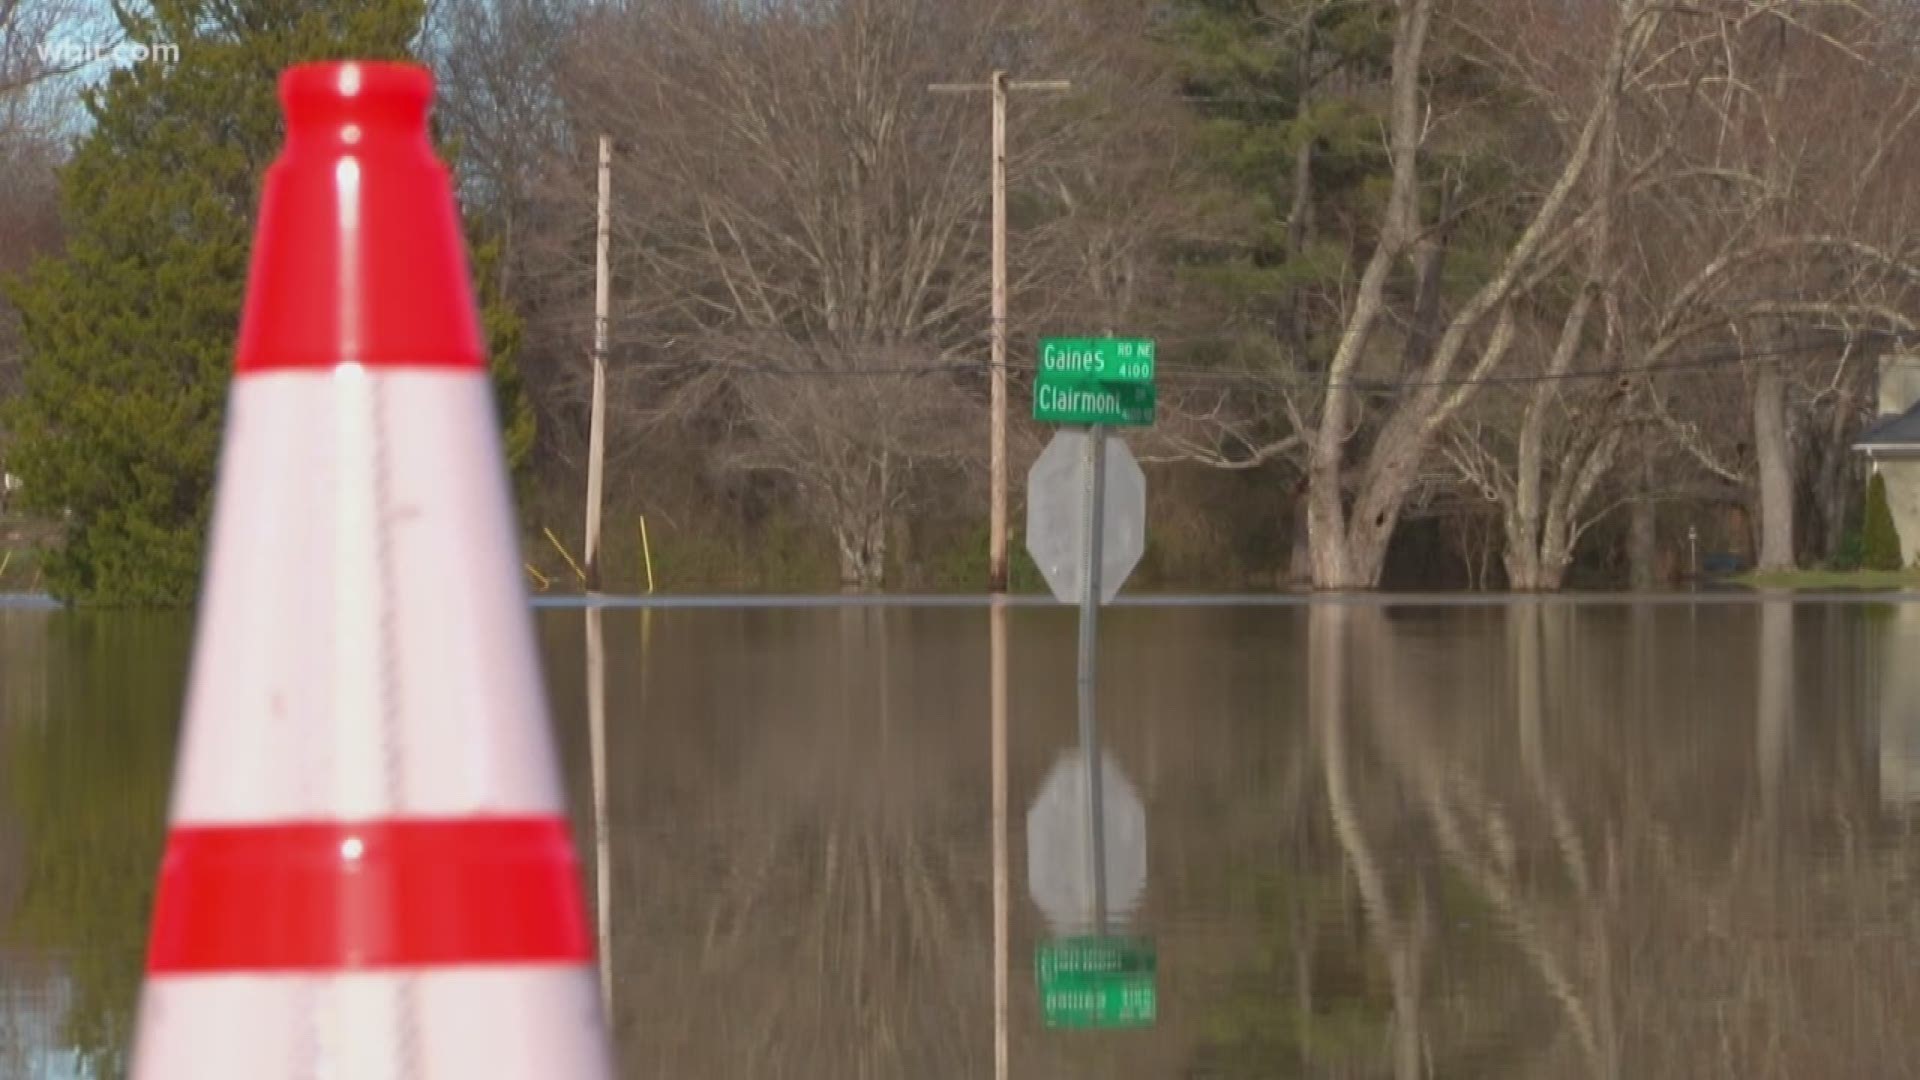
column 959, row 563
column 1880, row 541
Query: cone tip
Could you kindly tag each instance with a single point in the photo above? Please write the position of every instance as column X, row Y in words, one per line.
column 358, row 256
column 366, row 92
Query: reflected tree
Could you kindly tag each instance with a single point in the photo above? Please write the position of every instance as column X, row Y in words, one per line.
column 87, row 783
column 829, row 915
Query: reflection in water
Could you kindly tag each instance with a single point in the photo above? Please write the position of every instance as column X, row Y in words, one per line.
column 1398, row 930
column 1086, row 874
column 1775, row 713
column 997, row 696
column 602, row 836
column 85, row 758
column 1899, row 712
column 1536, row 840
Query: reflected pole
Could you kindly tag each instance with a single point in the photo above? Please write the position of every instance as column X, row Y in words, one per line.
column 1775, row 714
column 1092, row 516
column 997, row 616
column 597, row 731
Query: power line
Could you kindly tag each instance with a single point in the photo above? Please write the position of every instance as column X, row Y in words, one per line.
column 1705, row 360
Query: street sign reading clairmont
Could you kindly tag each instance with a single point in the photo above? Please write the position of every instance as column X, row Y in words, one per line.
column 1113, row 404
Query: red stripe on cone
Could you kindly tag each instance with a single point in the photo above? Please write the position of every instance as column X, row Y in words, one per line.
column 326, row 896
column 359, row 256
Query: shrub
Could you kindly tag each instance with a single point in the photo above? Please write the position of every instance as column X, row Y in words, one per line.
column 1880, row 541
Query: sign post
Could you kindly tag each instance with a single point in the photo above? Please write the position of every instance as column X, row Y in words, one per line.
column 1091, row 981
column 1095, row 475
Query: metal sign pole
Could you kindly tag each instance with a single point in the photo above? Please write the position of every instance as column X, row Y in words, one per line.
column 1094, row 475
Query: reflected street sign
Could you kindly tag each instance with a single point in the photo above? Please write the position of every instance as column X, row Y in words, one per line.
column 1096, row 982
column 1058, row 859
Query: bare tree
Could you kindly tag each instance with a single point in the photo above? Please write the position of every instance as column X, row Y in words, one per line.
column 1450, row 351
column 28, row 33
column 1785, row 243
column 1720, row 214
column 794, row 204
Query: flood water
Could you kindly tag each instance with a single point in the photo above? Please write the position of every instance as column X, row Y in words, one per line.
column 1536, row 840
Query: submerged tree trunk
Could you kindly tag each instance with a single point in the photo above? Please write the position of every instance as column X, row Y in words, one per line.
column 1300, row 557
column 1836, row 492
column 1536, row 549
column 863, row 553
column 1775, row 488
column 1525, row 572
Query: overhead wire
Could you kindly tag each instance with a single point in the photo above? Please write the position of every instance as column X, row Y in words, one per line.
column 1704, row 360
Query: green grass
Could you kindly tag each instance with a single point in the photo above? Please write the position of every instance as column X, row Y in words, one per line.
column 1832, row 579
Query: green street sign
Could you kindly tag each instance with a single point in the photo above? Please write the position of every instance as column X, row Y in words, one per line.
column 1097, row 982
column 1097, row 360
column 1092, row 955
column 1113, row 1001
column 1111, row 404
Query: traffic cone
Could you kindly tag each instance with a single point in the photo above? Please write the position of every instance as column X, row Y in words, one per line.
column 369, row 872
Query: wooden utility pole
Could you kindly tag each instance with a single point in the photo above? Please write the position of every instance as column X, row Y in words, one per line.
column 596, row 427
column 998, row 85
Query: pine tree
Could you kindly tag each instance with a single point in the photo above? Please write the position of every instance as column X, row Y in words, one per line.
column 129, row 331
column 1303, row 160
column 1880, row 541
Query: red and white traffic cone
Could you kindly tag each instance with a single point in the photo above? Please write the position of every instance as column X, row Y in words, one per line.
column 369, row 872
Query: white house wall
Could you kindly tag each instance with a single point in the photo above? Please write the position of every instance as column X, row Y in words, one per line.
column 1903, row 498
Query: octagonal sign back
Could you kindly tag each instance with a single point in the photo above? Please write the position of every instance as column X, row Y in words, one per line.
column 1056, row 491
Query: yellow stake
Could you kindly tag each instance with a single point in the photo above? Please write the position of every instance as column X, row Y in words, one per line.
column 561, row 548
column 646, row 552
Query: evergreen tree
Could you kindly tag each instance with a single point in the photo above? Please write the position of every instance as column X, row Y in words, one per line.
column 1880, row 541
column 129, row 331
column 1281, row 127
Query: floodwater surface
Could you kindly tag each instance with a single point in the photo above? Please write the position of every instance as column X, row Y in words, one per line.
column 1538, row 839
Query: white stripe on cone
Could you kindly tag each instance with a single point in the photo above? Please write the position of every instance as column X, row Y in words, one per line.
column 473, row 1023
column 365, row 649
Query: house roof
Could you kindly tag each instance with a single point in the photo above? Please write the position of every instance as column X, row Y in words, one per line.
column 1889, row 432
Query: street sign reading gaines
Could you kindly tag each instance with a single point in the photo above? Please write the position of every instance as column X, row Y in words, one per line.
column 1102, row 360
column 1105, row 381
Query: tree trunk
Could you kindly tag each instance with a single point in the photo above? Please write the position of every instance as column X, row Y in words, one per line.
column 1300, row 213
column 1836, row 490
column 1641, row 539
column 1839, row 497
column 863, row 553
column 1533, row 548
column 1367, row 541
column 1343, row 557
column 1536, row 568
column 1326, row 519
column 1429, row 264
column 1522, row 560
column 1775, row 502
column 1300, row 558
